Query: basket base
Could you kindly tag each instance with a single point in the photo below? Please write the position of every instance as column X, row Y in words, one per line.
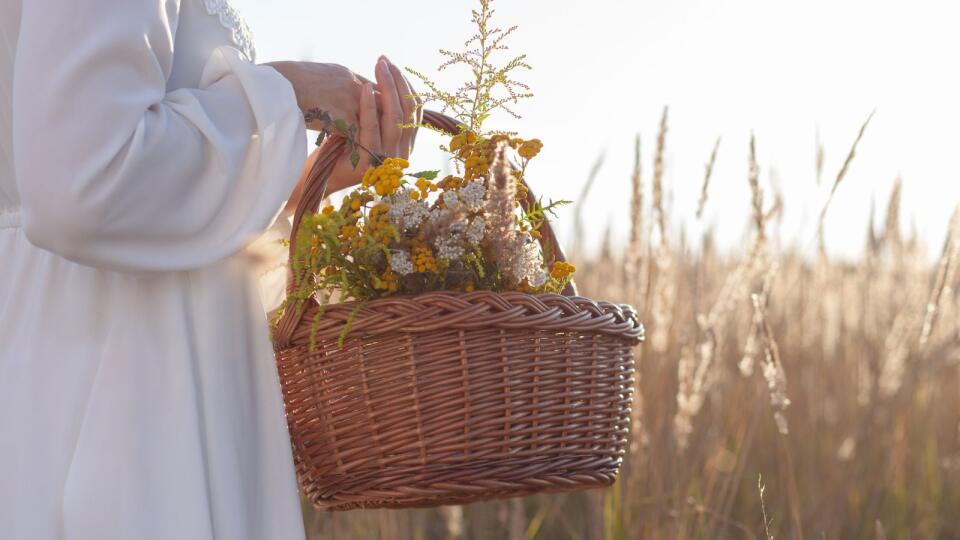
column 445, row 497
column 372, row 489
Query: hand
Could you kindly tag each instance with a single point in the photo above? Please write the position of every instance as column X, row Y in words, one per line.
column 328, row 87
column 379, row 131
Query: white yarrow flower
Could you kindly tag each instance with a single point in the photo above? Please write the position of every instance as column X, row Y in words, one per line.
column 449, row 248
column 438, row 215
column 475, row 230
column 400, row 262
column 405, row 212
column 450, row 241
column 451, row 201
column 526, row 263
column 472, row 195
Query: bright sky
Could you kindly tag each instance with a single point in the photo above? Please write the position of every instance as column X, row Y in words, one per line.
column 604, row 69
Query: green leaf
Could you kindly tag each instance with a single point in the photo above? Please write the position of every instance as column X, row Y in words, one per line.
column 340, row 125
column 354, row 158
column 429, row 175
column 321, row 137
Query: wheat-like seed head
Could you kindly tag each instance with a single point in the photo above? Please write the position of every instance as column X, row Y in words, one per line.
column 708, row 172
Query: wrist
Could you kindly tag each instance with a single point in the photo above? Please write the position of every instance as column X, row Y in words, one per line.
column 291, row 72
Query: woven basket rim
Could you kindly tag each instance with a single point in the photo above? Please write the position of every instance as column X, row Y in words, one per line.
column 438, row 310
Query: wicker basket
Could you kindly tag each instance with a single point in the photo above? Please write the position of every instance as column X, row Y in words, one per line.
column 449, row 398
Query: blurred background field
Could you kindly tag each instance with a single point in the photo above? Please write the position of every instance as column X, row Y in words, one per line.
column 801, row 377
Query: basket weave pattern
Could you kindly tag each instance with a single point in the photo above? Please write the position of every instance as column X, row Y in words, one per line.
column 449, row 398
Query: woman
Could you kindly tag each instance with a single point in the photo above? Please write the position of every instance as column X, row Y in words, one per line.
column 140, row 151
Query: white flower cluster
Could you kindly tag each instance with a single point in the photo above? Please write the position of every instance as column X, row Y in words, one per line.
column 449, row 244
column 472, row 195
column 405, row 212
column 526, row 263
column 400, row 262
column 436, row 216
column 455, row 236
column 451, row 201
column 475, row 230
column 469, row 197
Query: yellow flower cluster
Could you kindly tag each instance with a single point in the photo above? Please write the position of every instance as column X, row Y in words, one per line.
column 385, row 178
column 474, row 153
column 522, row 193
column 379, row 211
column 425, row 187
column 377, row 226
column 562, row 270
column 389, row 282
column 352, row 204
column 423, row 259
column 477, row 153
column 450, row 182
column 476, row 165
column 465, row 138
column 529, row 149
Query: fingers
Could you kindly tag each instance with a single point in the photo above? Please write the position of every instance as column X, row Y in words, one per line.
column 408, row 104
column 363, row 79
column 376, row 92
column 370, row 137
column 392, row 114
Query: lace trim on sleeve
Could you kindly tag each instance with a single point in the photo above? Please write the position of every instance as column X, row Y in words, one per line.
column 231, row 20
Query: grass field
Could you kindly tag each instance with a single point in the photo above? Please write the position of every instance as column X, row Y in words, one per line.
column 782, row 394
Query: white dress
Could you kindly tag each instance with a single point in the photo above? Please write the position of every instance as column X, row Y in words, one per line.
column 140, row 152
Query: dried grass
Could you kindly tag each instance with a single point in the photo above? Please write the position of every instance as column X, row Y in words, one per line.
column 843, row 172
column 946, row 277
column 664, row 287
column 708, row 172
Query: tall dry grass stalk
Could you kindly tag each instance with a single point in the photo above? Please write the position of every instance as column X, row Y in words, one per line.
column 842, row 173
column 819, row 158
column 659, row 215
column 763, row 508
column 946, row 277
column 708, row 172
column 664, row 288
column 636, row 249
column 773, row 371
column 891, row 228
column 636, row 275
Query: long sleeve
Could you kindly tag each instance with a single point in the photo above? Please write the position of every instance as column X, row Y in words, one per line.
column 117, row 172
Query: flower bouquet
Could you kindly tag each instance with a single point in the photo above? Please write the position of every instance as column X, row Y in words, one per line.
column 431, row 349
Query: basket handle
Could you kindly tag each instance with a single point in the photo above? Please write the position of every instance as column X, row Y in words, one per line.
column 332, row 150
